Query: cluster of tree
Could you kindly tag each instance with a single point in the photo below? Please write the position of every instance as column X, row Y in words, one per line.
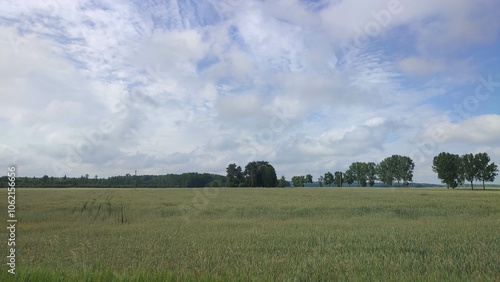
column 283, row 183
column 336, row 178
column 362, row 173
column 454, row 170
column 188, row 180
column 394, row 168
column 255, row 174
column 300, row 180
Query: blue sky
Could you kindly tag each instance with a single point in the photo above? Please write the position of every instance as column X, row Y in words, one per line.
column 109, row 87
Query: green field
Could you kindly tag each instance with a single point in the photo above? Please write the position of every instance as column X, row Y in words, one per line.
column 299, row 234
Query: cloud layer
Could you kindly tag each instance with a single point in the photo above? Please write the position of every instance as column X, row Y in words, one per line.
column 310, row 86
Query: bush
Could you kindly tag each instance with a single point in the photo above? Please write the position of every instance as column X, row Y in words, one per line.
column 215, row 183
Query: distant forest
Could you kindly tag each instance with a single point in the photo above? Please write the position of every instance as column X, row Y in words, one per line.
column 184, row 180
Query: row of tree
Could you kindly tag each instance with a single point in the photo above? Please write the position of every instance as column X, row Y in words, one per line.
column 300, row 180
column 394, row 168
column 454, row 170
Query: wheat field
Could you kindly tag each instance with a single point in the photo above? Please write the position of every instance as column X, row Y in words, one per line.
column 256, row 234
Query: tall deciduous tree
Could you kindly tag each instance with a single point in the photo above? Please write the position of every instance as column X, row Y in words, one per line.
column 359, row 172
column 260, row 174
column 298, row 181
column 486, row 171
column 282, row 181
column 338, row 178
column 268, row 176
column 308, row 179
column 348, row 177
column 405, row 169
column 328, row 179
column 396, row 167
column 321, row 180
column 371, row 173
column 448, row 168
column 250, row 173
column 234, row 175
column 385, row 171
column 470, row 168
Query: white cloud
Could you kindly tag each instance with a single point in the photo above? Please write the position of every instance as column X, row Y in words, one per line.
column 375, row 121
column 173, row 51
column 234, row 107
column 484, row 129
column 413, row 65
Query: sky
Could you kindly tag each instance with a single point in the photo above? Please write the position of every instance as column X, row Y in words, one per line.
column 109, row 87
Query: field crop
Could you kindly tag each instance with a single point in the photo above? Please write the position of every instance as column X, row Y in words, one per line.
column 299, row 234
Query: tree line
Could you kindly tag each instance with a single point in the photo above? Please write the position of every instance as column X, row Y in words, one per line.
column 454, row 170
column 184, row 180
column 391, row 169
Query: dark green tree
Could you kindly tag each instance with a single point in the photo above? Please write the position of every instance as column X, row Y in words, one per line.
column 250, row 173
column 268, row 176
column 321, row 180
column 260, row 174
column 359, row 172
column 308, row 179
column 385, row 171
column 215, row 183
column 470, row 168
column 448, row 168
column 395, row 167
column 486, row 171
column 298, row 181
column 348, row 177
column 338, row 178
column 405, row 169
column 282, row 181
column 234, row 175
column 328, row 179
column 371, row 169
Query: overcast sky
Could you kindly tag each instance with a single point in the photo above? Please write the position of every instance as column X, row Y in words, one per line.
column 108, row 87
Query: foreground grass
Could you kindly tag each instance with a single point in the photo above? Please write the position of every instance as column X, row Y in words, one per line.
column 256, row 234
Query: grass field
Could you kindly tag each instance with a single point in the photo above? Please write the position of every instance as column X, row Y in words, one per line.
column 299, row 234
